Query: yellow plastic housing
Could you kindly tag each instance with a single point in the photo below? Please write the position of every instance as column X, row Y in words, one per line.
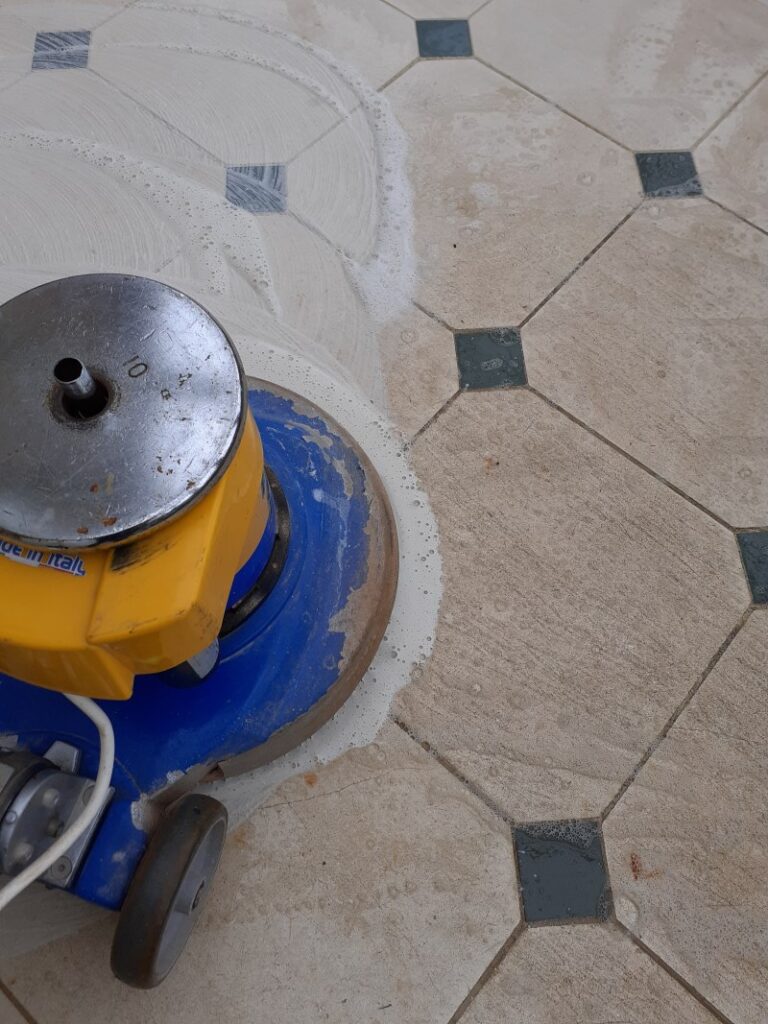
column 88, row 621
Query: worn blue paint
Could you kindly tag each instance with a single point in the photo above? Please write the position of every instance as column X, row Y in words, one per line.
column 273, row 667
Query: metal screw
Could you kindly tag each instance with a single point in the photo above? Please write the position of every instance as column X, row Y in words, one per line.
column 22, row 853
column 51, row 797
column 62, row 868
column 10, row 818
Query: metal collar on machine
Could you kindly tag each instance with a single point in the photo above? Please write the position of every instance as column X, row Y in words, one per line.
column 121, row 402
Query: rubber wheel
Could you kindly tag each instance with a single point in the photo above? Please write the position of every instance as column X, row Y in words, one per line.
column 168, row 890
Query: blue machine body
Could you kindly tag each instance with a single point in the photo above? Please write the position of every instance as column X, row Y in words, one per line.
column 273, row 667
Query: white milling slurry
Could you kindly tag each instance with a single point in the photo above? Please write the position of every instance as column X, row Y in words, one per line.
column 122, row 168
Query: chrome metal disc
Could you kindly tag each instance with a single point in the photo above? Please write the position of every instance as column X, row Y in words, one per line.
column 121, row 402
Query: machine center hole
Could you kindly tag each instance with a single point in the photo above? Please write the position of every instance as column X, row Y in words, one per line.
column 83, row 395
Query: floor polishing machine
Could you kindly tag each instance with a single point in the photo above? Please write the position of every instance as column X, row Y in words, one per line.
column 196, row 569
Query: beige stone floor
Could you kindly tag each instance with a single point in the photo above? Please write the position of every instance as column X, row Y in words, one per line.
column 598, row 655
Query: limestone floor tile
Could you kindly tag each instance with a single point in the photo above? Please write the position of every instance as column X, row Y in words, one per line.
column 84, row 108
column 247, row 96
column 659, row 344
column 582, row 973
column 509, row 193
column 688, row 843
column 582, row 599
column 370, row 36
column 335, row 185
column 654, row 75
column 377, row 888
column 733, row 161
column 76, row 217
column 16, row 46
column 419, row 364
column 8, row 1012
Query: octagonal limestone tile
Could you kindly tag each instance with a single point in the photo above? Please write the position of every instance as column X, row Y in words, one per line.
column 246, row 95
column 90, row 181
column 8, row 1012
column 659, row 344
column 372, row 37
column 582, row 973
column 655, row 75
column 378, row 881
column 688, row 842
column 582, row 599
column 733, row 161
column 509, row 193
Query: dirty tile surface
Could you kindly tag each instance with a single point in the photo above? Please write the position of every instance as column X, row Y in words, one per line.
column 582, row 599
column 652, row 76
column 377, row 883
column 658, row 344
column 509, row 193
column 582, row 973
column 687, row 843
column 733, row 160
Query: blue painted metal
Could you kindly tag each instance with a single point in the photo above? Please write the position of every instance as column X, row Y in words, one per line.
column 273, row 667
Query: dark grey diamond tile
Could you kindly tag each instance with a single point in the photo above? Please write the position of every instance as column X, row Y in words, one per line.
column 448, row 38
column 666, row 175
column 562, row 871
column 754, row 552
column 260, row 188
column 55, row 50
column 490, row 359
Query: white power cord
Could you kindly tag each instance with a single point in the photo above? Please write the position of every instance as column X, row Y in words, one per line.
column 98, row 795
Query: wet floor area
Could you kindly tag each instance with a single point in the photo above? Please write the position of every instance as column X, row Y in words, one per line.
column 523, row 247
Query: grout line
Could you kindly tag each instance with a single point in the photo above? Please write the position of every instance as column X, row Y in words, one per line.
column 435, row 317
column 738, row 216
column 546, row 99
column 116, row 14
column 399, row 74
column 478, row 9
column 389, row 3
column 488, row 973
column 579, row 265
column 435, row 416
column 323, row 135
column 701, row 999
column 22, row 1010
column 712, row 663
column 158, row 117
column 728, row 111
column 445, row 763
column 627, row 455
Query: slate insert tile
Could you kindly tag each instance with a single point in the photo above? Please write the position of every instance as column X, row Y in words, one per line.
column 668, row 175
column 259, row 188
column 447, row 38
column 754, row 553
column 55, row 50
column 562, row 871
column 490, row 359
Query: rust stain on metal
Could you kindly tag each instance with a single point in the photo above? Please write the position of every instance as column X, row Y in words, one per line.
column 109, row 520
column 82, row 529
column 94, row 488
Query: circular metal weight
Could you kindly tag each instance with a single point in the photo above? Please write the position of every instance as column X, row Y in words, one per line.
column 121, row 402
column 168, row 890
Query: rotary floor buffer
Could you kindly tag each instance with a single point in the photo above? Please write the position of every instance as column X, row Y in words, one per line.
column 196, row 569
